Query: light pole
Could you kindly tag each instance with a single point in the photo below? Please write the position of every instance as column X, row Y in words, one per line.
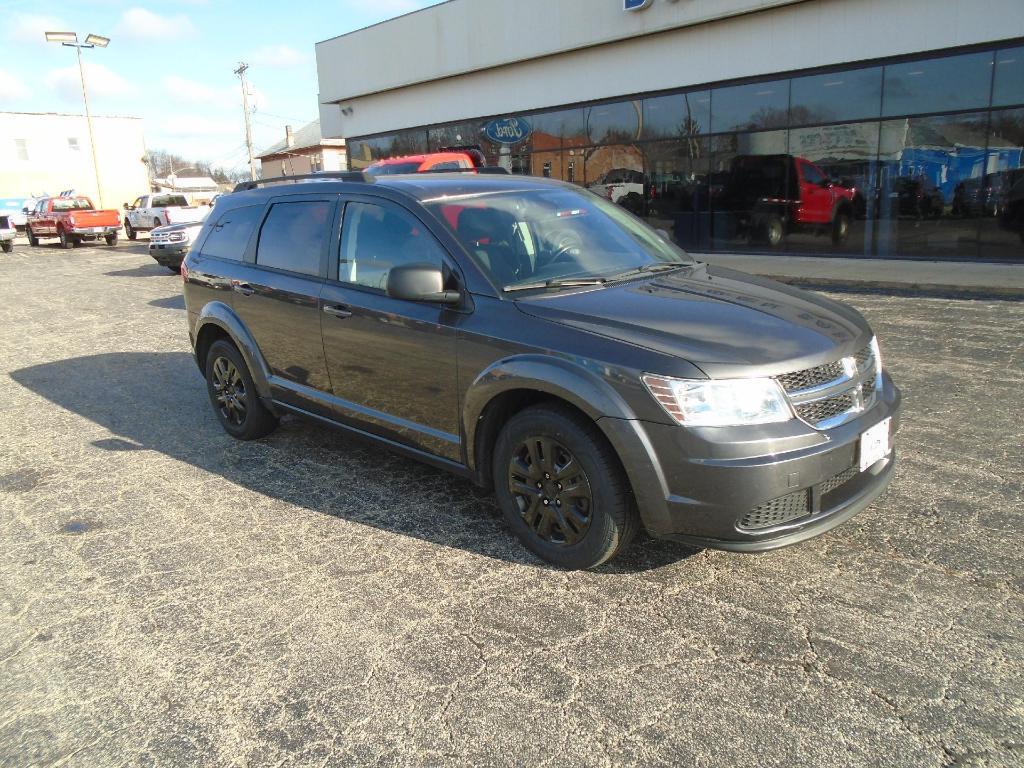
column 70, row 39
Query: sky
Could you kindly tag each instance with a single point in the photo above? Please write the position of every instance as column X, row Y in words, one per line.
column 172, row 63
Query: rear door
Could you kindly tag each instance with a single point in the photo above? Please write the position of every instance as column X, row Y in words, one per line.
column 392, row 362
column 276, row 294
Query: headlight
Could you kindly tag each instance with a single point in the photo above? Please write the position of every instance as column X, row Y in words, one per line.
column 176, row 237
column 720, row 402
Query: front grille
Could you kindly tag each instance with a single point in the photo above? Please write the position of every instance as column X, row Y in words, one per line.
column 777, row 511
column 841, row 479
column 792, row 506
column 847, row 390
column 811, row 377
column 817, row 411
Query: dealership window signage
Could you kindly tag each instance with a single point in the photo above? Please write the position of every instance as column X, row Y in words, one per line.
column 508, row 130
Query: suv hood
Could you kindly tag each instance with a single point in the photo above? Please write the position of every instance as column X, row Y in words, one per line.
column 725, row 322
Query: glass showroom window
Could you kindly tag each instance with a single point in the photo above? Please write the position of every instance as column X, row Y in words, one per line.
column 997, row 201
column 851, row 95
column 938, row 85
column 750, row 107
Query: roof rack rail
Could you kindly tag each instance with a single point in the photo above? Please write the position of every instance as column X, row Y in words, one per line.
column 321, row 176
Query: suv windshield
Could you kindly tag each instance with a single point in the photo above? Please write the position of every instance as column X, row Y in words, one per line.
column 392, row 169
column 546, row 236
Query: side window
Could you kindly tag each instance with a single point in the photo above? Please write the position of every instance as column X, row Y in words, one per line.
column 811, row 174
column 375, row 238
column 293, row 236
column 450, row 165
column 229, row 236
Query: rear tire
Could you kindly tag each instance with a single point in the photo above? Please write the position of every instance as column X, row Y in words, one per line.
column 562, row 489
column 32, row 239
column 233, row 394
column 130, row 231
column 7, row 246
column 66, row 240
column 111, row 239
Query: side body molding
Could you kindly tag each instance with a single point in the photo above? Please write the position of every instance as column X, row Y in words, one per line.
column 569, row 380
column 219, row 314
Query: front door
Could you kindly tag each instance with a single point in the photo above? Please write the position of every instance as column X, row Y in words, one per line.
column 392, row 362
column 276, row 294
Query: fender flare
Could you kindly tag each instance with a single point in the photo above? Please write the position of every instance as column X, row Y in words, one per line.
column 565, row 379
column 219, row 314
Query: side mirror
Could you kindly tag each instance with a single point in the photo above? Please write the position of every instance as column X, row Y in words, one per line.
column 420, row 282
column 25, row 211
column 126, row 206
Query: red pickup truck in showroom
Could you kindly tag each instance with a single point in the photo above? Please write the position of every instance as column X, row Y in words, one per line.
column 773, row 195
column 72, row 219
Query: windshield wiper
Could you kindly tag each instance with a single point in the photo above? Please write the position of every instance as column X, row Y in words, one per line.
column 657, row 266
column 564, row 282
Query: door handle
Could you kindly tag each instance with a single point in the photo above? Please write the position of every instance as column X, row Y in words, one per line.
column 338, row 310
column 243, row 288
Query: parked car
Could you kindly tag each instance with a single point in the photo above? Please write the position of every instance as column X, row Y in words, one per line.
column 915, row 197
column 74, row 220
column 774, row 195
column 1011, row 209
column 15, row 209
column 625, row 186
column 7, row 233
column 539, row 340
column 433, row 162
column 169, row 244
column 151, row 211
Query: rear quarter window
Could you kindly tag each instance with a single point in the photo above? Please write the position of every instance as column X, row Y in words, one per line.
column 231, row 232
column 294, row 236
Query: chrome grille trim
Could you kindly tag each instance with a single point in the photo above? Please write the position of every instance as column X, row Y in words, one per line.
column 838, row 391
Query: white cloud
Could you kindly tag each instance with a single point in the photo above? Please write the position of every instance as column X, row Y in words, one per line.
column 142, row 25
column 11, row 88
column 30, row 27
column 279, row 56
column 100, row 81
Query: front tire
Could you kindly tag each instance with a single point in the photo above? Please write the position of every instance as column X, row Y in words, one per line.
column 233, row 394
column 7, row 246
column 561, row 488
column 840, row 227
column 130, row 231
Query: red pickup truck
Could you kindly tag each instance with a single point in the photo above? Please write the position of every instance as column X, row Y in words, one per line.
column 73, row 219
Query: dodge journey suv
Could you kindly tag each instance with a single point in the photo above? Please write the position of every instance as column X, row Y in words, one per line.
column 540, row 340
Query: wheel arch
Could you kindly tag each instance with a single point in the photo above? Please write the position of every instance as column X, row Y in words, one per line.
column 508, row 386
column 218, row 321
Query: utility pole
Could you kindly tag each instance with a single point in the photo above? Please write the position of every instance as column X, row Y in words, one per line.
column 70, row 40
column 242, row 66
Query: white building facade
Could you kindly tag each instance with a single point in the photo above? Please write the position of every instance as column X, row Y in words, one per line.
column 47, row 153
column 912, row 111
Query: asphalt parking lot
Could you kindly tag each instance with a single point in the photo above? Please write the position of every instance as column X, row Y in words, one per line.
column 169, row 596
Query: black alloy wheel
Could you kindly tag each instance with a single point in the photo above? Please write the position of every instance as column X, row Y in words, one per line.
column 230, row 392
column 233, row 394
column 561, row 487
column 551, row 490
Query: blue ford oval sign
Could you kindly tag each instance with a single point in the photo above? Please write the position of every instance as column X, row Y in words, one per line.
column 508, row 130
column 635, row 5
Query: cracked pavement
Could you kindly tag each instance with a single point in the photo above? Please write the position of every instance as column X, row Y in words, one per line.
column 169, row 596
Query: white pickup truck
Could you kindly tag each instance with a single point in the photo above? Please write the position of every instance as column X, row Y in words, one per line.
column 152, row 211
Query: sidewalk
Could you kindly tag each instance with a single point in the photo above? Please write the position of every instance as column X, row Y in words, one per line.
column 931, row 277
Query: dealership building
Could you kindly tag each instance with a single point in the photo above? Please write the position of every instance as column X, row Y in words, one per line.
column 877, row 128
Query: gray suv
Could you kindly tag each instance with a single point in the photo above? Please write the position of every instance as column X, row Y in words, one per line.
column 543, row 342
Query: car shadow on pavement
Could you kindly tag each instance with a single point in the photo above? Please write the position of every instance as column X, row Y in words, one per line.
column 157, row 401
column 169, row 302
column 146, row 270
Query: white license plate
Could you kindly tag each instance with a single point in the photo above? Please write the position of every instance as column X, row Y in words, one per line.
column 874, row 444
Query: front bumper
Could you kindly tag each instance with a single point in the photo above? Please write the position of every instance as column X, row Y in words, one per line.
column 703, row 486
column 170, row 255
